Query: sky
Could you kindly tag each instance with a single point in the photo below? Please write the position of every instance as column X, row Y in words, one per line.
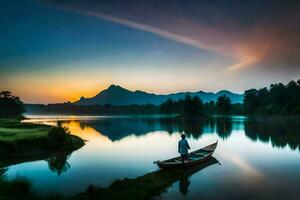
column 59, row 50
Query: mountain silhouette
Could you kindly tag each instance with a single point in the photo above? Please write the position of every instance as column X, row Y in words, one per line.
column 116, row 95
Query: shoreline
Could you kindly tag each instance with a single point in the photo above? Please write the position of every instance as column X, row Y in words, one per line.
column 22, row 142
column 144, row 187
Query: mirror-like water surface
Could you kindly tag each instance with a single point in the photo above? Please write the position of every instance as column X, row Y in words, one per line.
column 259, row 158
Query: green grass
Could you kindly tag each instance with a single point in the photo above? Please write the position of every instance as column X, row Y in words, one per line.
column 13, row 130
column 21, row 142
column 13, row 134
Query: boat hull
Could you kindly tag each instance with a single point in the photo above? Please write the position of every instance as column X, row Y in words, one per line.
column 201, row 155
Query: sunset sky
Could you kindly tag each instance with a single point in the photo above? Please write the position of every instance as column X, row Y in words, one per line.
column 59, row 50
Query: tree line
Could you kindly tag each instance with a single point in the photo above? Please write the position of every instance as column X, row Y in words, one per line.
column 277, row 99
column 107, row 109
column 189, row 106
column 10, row 106
column 194, row 106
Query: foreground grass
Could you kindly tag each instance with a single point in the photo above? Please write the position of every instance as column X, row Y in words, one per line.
column 20, row 142
column 20, row 189
column 16, row 189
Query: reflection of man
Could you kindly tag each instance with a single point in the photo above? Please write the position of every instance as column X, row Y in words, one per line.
column 184, row 183
column 183, row 147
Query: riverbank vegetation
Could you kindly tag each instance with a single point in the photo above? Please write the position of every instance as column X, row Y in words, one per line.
column 278, row 99
column 20, row 142
column 187, row 107
column 193, row 106
column 19, row 188
column 107, row 109
column 10, row 106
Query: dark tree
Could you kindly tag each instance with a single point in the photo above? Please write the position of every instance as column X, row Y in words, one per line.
column 10, row 106
column 197, row 105
column 167, row 107
column 223, row 104
column 251, row 101
column 5, row 94
column 279, row 99
column 192, row 106
column 189, row 107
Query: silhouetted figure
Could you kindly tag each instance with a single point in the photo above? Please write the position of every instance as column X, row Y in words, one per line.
column 184, row 183
column 183, row 147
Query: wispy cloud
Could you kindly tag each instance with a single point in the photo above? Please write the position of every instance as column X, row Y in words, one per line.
column 259, row 43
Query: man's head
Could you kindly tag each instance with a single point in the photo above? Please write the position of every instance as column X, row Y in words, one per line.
column 183, row 136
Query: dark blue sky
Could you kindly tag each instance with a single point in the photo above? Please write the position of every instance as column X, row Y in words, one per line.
column 53, row 52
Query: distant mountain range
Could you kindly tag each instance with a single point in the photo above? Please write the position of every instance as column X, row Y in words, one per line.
column 116, row 95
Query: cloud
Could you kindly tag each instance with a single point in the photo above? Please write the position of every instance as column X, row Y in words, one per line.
column 255, row 34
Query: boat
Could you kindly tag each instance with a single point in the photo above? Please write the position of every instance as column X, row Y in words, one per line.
column 195, row 157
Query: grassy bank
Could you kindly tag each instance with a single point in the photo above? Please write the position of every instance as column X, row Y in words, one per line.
column 20, row 142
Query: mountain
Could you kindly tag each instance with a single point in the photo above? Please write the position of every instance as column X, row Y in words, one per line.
column 117, row 95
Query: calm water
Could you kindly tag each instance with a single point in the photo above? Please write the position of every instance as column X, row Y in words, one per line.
column 259, row 158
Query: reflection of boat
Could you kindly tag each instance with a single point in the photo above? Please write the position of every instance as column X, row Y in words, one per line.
column 184, row 181
column 195, row 157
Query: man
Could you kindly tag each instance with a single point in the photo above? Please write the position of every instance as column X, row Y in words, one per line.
column 183, row 147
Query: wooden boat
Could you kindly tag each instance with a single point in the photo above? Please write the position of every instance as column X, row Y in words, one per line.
column 195, row 157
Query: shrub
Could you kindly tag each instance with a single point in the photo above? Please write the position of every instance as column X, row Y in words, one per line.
column 19, row 187
column 57, row 135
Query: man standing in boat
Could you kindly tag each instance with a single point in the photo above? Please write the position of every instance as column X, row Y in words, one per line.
column 183, row 147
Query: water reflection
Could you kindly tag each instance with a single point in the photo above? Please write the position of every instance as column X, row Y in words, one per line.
column 280, row 131
column 184, row 180
column 59, row 162
column 224, row 127
column 118, row 128
column 184, row 183
column 119, row 148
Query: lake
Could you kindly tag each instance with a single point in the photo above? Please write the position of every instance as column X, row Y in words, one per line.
column 258, row 158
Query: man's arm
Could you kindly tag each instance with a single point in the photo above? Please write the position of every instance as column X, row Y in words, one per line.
column 188, row 146
column 178, row 147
